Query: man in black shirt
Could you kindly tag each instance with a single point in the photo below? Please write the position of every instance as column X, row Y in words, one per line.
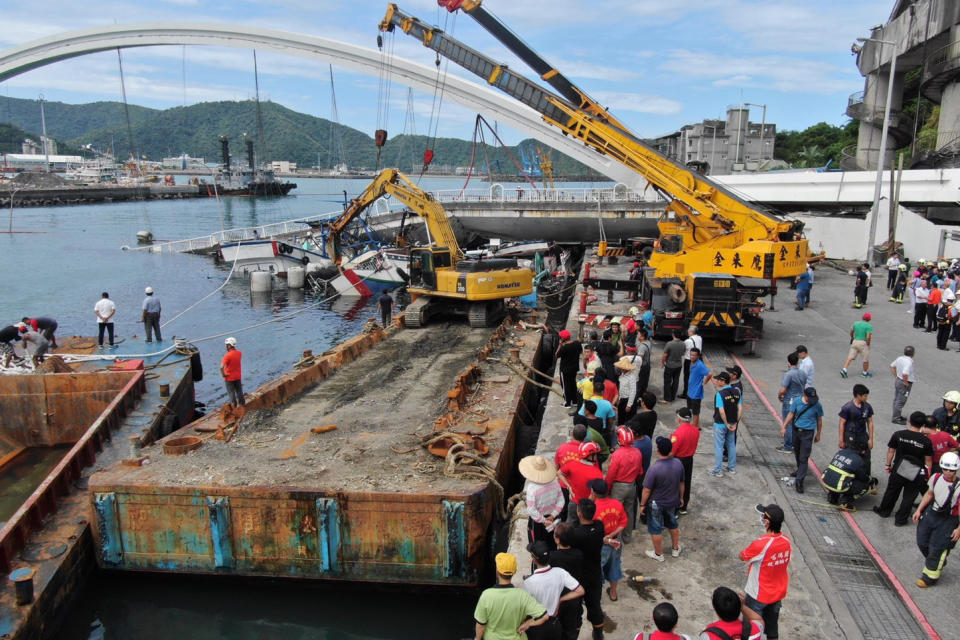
column 645, row 420
column 909, row 455
column 588, row 538
column 7, row 335
column 386, row 309
column 608, row 354
column 566, row 557
column 569, row 353
column 856, row 424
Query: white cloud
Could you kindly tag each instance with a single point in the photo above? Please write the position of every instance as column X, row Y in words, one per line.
column 637, row 102
column 780, row 73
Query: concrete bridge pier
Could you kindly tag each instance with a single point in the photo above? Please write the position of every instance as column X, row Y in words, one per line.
column 870, row 113
column 948, row 132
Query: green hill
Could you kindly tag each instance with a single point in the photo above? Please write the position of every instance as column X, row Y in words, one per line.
column 289, row 135
column 12, row 137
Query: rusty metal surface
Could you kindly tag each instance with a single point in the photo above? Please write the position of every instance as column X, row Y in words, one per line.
column 57, row 483
column 53, row 535
column 425, row 525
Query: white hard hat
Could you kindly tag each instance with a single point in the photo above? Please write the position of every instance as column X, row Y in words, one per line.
column 950, row 461
column 148, row 290
column 231, row 341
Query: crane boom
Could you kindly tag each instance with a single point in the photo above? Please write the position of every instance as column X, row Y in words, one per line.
column 708, row 216
column 392, row 182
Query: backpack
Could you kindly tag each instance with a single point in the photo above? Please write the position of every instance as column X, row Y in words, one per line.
column 743, row 635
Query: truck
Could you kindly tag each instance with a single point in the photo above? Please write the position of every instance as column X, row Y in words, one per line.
column 441, row 279
column 717, row 255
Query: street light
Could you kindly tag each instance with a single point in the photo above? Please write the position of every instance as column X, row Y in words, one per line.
column 763, row 125
column 875, row 211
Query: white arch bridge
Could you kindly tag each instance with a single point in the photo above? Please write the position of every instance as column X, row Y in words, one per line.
column 485, row 100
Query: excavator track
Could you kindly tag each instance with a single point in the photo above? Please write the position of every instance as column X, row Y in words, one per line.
column 416, row 313
column 482, row 314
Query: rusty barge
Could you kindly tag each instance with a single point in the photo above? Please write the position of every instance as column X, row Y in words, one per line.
column 384, row 459
column 101, row 414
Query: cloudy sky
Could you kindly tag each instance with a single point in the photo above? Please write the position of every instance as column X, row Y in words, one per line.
column 658, row 64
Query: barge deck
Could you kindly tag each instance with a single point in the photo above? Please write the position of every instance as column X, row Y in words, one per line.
column 364, row 501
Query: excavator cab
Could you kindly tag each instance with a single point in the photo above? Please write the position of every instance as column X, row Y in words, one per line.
column 424, row 263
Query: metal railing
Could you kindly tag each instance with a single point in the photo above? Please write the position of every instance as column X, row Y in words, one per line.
column 855, row 99
column 940, row 59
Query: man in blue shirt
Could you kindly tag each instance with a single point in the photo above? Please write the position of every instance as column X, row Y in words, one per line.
column 726, row 419
column 151, row 315
column 805, row 418
column 803, row 290
column 791, row 387
column 699, row 376
column 605, row 412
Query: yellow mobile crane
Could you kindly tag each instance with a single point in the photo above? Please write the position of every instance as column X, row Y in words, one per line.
column 441, row 280
column 717, row 255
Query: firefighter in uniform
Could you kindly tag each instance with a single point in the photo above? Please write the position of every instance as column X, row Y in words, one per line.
column 846, row 478
column 939, row 526
column 948, row 415
column 899, row 284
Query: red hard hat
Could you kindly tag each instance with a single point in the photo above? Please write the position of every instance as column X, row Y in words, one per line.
column 588, row 448
column 867, row 316
column 625, row 436
column 564, row 335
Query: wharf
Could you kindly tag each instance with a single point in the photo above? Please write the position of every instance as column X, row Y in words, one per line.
column 362, row 502
column 101, row 413
column 59, row 196
column 851, row 576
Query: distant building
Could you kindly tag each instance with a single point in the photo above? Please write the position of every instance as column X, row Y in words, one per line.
column 38, row 161
column 182, row 162
column 45, row 146
column 722, row 147
column 283, row 166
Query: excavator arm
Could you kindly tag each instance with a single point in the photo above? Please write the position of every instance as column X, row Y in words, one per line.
column 706, row 215
column 392, row 182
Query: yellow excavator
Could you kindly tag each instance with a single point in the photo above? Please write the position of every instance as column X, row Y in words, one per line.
column 441, row 279
column 717, row 254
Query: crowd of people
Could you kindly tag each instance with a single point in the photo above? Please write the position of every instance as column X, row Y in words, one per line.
column 616, row 476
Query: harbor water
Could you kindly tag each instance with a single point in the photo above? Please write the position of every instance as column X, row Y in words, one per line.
column 59, row 260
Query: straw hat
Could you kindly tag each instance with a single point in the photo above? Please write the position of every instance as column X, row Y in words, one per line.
column 537, row 469
column 624, row 363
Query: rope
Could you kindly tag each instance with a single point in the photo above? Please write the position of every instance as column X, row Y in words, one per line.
column 229, row 275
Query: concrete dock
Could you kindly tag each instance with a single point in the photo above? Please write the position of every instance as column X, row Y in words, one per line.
column 851, row 575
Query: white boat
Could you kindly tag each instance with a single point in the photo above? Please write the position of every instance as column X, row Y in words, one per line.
column 95, row 171
column 372, row 272
column 509, row 250
column 270, row 255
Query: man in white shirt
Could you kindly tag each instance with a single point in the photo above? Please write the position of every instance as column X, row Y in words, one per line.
column 547, row 585
column 105, row 310
column 805, row 364
column 902, row 370
column 893, row 265
column 693, row 341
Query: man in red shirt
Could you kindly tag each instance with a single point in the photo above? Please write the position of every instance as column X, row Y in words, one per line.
column 941, row 440
column 230, row 370
column 730, row 608
column 685, row 439
column 767, row 578
column 576, row 474
column 571, row 450
column 626, row 465
column 614, row 518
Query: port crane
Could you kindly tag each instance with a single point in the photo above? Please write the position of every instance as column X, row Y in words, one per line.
column 442, row 280
column 717, row 255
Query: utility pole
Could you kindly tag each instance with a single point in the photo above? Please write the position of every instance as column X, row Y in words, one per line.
column 43, row 142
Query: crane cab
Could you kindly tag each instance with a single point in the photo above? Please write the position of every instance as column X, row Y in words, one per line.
column 424, row 264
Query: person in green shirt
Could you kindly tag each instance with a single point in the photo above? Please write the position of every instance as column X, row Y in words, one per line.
column 504, row 612
column 860, row 335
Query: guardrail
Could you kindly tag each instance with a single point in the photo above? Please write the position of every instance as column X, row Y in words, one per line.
column 855, row 98
column 495, row 193
column 43, row 501
column 939, row 59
